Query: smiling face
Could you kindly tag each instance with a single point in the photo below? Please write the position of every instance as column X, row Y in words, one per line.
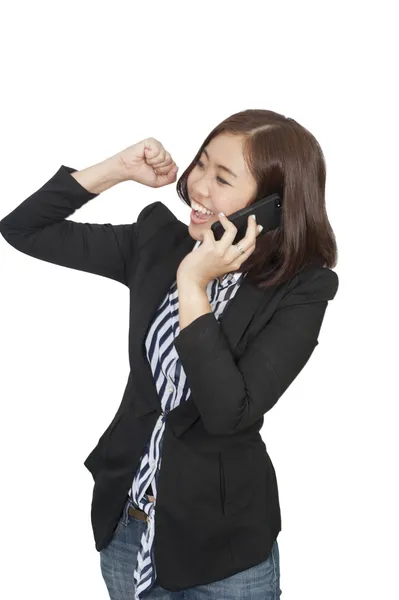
column 216, row 188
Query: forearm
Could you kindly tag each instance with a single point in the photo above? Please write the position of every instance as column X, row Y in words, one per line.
column 216, row 383
column 193, row 302
column 101, row 176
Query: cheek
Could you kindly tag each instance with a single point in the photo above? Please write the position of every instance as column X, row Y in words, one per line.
column 190, row 185
column 223, row 205
column 191, row 179
column 218, row 197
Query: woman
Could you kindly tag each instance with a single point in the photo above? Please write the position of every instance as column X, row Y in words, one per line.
column 216, row 336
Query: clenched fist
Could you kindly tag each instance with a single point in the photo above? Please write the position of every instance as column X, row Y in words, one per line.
column 148, row 162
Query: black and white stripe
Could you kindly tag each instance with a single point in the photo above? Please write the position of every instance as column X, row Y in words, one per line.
column 172, row 387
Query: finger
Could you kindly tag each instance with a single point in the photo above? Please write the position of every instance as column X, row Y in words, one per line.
column 247, row 243
column 257, row 226
column 168, row 177
column 235, row 257
column 230, row 232
column 164, row 164
column 156, row 159
column 151, row 147
column 163, row 169
column 163, row 159
column 251, row 233
column 207, row 236
column 166, row 171
column 168, row 159
column 154, row 151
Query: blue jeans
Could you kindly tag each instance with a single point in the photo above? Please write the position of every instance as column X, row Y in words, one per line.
column 118, row 559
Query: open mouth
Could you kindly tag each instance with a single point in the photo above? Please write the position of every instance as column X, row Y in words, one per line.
column 200, row 213
column 197, row 217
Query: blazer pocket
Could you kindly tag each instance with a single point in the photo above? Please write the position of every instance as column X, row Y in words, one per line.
column 237, row 483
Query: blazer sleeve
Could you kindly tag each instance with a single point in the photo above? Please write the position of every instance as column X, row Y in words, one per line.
column 39, row 227
column 231, row 396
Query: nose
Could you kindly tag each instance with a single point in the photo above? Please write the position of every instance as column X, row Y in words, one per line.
column 200, row 189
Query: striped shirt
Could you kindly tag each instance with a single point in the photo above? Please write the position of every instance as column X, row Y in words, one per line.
column 172, row 387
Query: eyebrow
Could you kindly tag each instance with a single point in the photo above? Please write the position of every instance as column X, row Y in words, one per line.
column 220, row 166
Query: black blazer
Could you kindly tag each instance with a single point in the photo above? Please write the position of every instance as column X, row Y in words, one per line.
column 217, row 510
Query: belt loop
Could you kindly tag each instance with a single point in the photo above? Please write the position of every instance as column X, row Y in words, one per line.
column 125, row 516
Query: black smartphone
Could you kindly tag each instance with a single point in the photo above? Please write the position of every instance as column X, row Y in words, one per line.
column 267, row 212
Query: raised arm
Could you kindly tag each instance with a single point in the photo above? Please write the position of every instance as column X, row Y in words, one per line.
column 39, row 226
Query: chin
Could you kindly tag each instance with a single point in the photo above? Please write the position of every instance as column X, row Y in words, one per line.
column 193, row 231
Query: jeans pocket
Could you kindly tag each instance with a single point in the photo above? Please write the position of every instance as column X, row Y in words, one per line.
column 118, row 526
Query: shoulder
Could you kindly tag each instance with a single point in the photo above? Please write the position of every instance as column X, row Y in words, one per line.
column 319, row 278
column 153, row 219
column 311, row 284
column 156, row 212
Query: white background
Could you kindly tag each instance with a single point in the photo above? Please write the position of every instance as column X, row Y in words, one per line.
column 82, row 81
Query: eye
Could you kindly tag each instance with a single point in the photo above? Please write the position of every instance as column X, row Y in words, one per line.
column 200, row 164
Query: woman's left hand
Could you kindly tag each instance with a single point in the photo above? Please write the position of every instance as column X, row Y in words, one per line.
column 216, row 258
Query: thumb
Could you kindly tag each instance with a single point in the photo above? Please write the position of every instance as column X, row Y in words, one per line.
column 171, row 175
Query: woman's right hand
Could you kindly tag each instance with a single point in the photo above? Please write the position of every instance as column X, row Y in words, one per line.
column 147, row 162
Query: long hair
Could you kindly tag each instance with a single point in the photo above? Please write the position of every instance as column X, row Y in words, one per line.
column 284, row 158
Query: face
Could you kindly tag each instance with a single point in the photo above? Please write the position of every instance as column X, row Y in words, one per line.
column 214, row 187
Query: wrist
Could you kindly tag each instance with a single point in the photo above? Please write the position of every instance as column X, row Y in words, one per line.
column 183, row 281
column 114, row 169
column 99, row 177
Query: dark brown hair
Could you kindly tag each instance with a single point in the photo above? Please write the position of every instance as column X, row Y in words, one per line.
column 284, row 158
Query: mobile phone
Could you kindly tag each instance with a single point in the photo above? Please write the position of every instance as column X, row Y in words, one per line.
column 267, row 212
